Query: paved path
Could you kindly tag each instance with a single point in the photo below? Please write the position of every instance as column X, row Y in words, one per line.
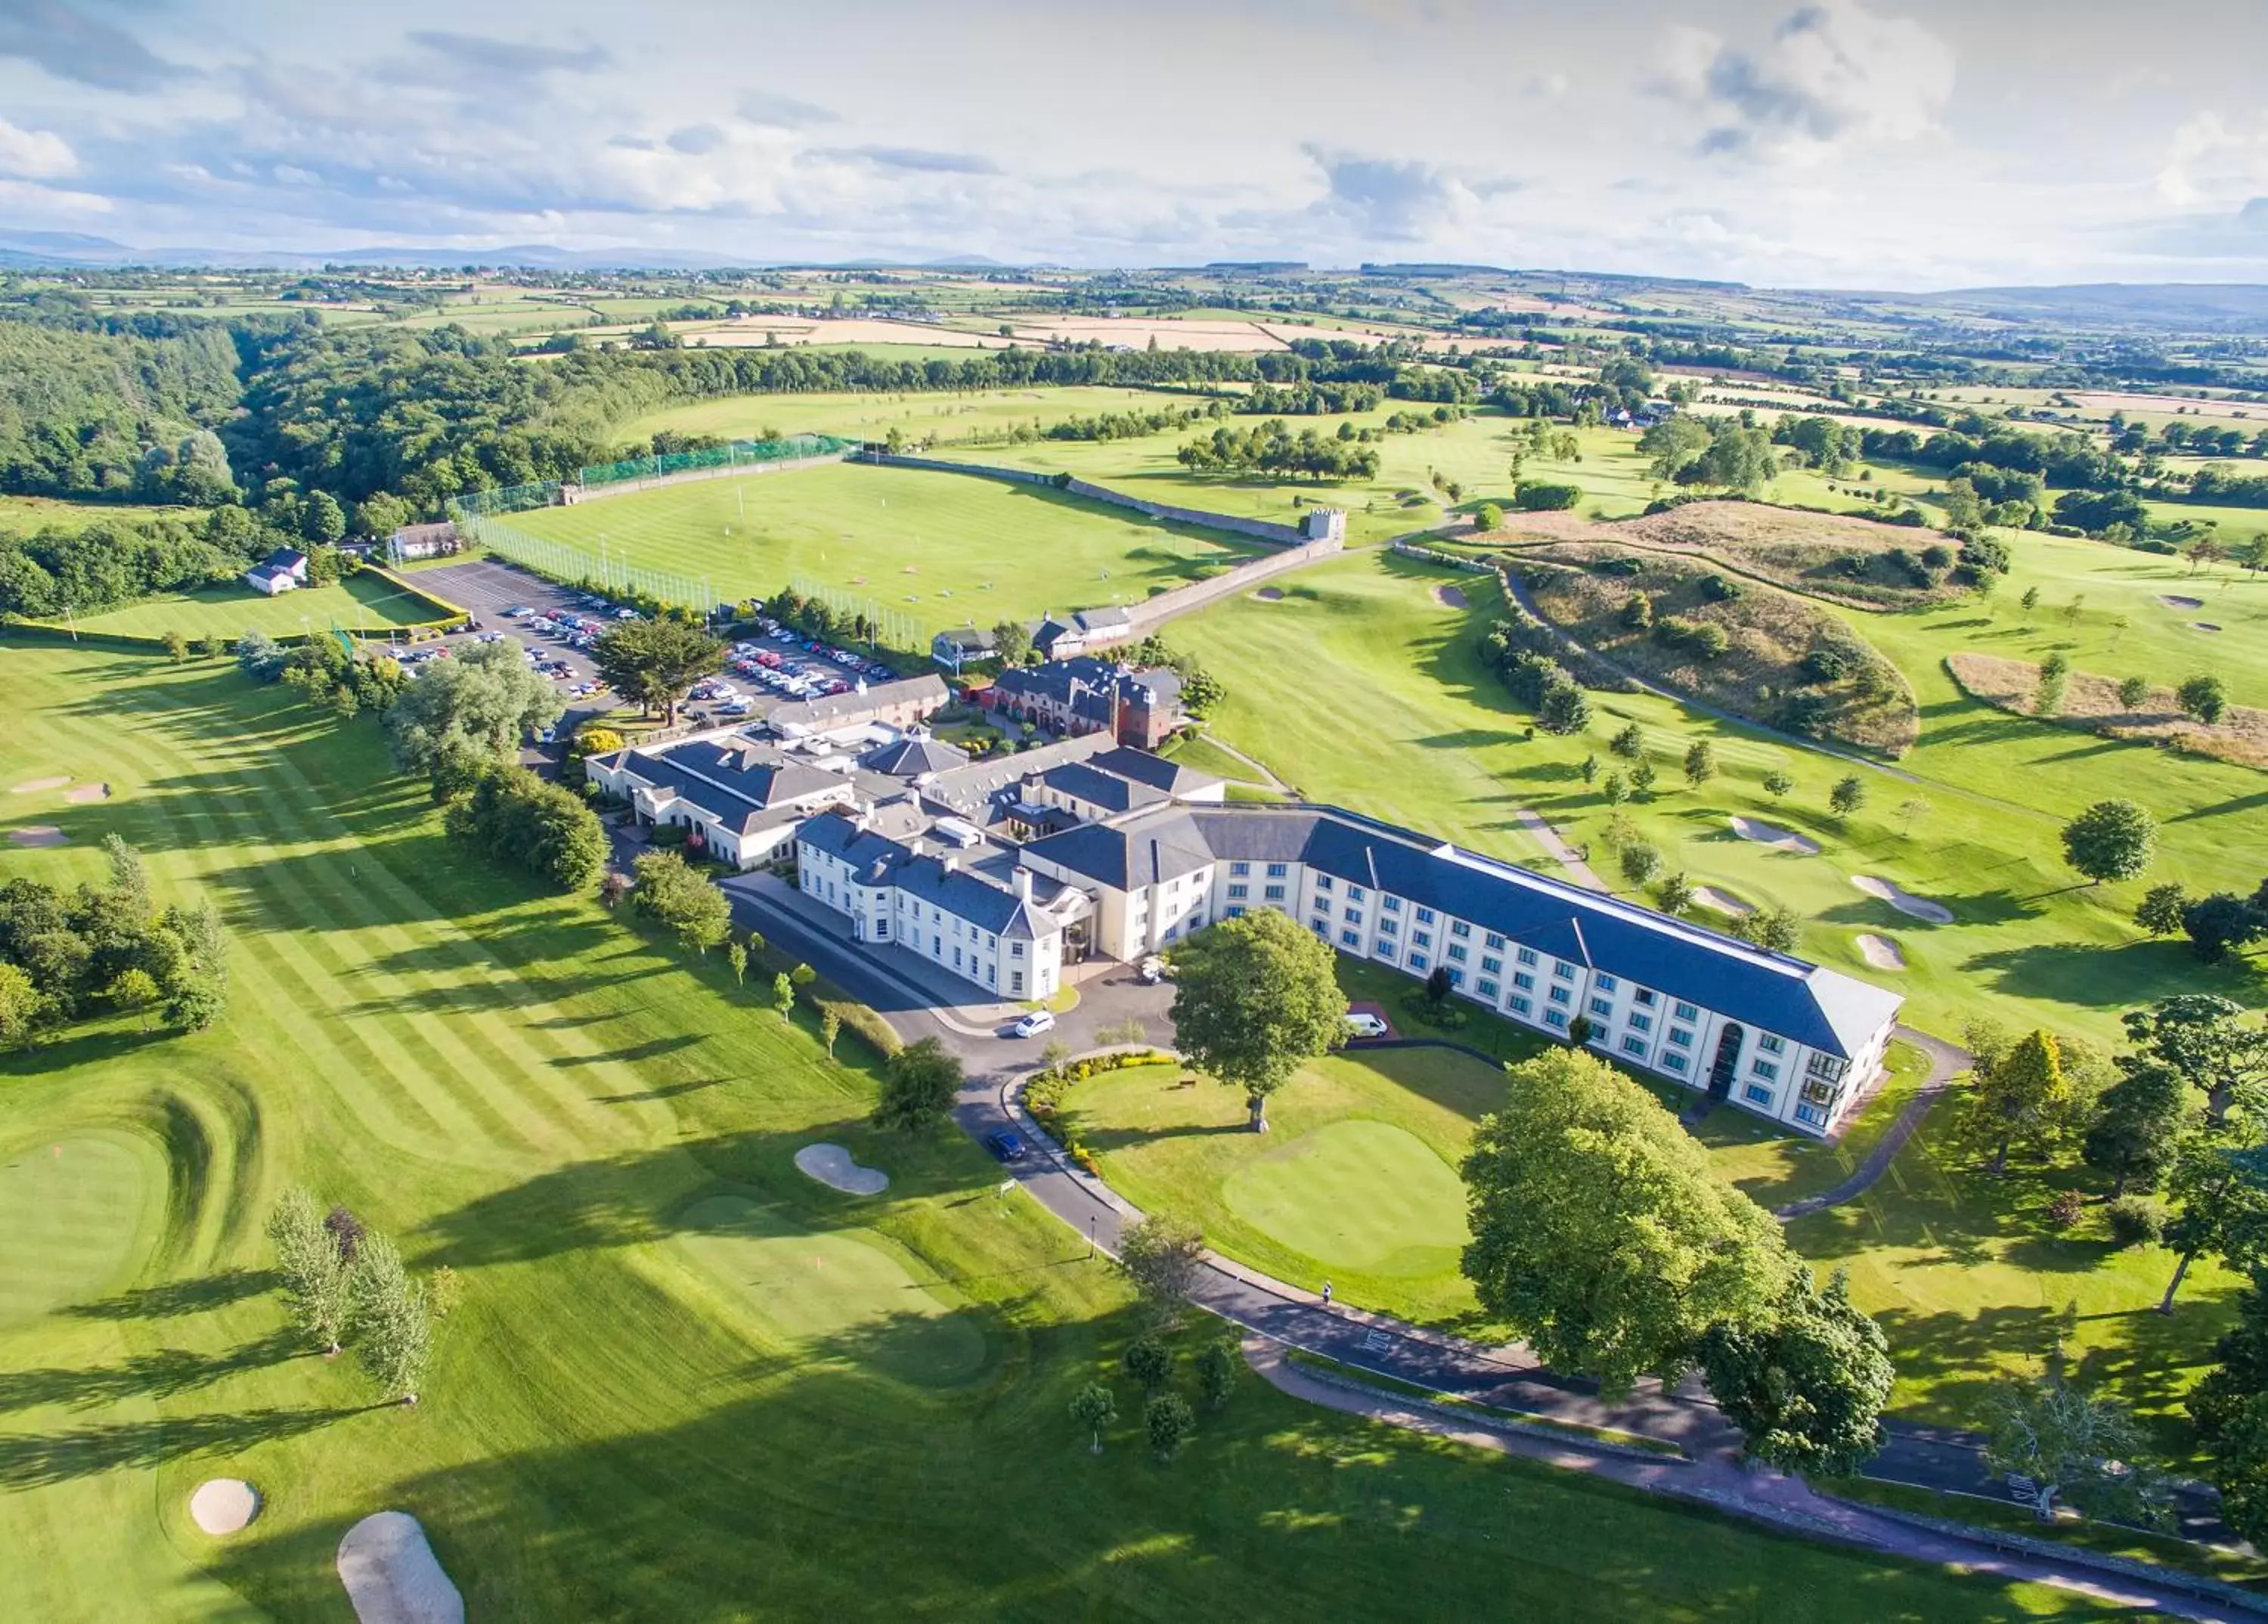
column 1945, row 1062
column 1267, row 777
column 1567, row 857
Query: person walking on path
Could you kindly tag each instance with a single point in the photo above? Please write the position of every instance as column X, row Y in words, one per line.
column 1327, row 1294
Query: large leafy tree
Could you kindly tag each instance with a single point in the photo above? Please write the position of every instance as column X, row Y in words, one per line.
column 674, row 894
column 1807, row 1388
column 1161, row 1257
column 1601, row 1233
column 473, row 708
column 2230, row 1408
column 516, row 817
column 394, row 1319
column 318, row 1278
column 919, row 1084
column 2134, row 1133
column 2072, row 1447
column 2020, row 1090
column 1254, row 998
column 2207, row 1040
column 2111, row 840
column 657, row 663
column 2223, row 1195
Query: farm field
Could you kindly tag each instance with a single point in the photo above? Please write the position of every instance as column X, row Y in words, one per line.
column 359, row 603
column 943, row 550
column 871, row 415
column 25, row 513
column 598, row 1138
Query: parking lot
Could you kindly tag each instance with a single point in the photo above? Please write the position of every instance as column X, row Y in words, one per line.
column 778, row 666
column 490, row 591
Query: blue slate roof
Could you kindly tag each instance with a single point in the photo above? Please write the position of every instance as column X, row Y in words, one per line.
column 877, row 860
column 1155, row 771
column 737, row 784
column 1107, row 790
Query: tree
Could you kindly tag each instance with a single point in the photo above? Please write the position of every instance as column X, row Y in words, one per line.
column 1641, row 778
column 2020, row 1090
column 1638, row 611
column 323, row 520
column 1162, row 1258
column 20, row 1006
column 737, row 957
column 2138, row 1125
column 2072, row 1447
column 130, row 878
column 317, row 1277
column 1777, row 928
column 1562, row 710
column 1168, row 1421
column 1589, row 769
column 2217, row 924
column 783, row 996
column 657, row 663
column 673, row 894
column 515, row 817
column 1675, row 895
column 1629, row 743
column 1911, row 811
column 2111, row 840
column 1254, row 998
column 1700, row 763
column 177, row 647
column 1640, row 863
column 2230, row 1408
column 1149, row 1362
column 474, row 707
column 830, row 1027
column 1777, row 784
column 2205, row 1038
column 196, row 1005
column 394, row 1322
column 1094, row 1408
column 1807, row 1387
column 2223, row 1195
column 2203, row 697
column 1217, row 1363
column 919, row 1084
column 1601, row 1233
column 2160, row 911
column 1011, row 641
column 1615, row 790
column 132, row 992
column 2134, row 692
column 2054, row 678
column 1848, row 795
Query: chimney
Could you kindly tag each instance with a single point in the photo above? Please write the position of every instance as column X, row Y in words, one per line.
column 918, row 846
column 952, row 862
column 1023, row 883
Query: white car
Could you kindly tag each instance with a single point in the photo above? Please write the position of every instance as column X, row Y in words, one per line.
column 1032, row 1024
column 1362, row 1023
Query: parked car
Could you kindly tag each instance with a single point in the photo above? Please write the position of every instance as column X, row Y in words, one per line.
column 1152, row 970
column 1032, row 1024
column 1362, row 1023
column 1006, row 1146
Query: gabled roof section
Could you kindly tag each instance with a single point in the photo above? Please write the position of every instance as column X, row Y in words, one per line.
column 1082, row 781
column 1144, row 767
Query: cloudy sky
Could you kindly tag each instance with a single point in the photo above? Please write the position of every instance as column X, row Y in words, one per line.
column 1882, row 143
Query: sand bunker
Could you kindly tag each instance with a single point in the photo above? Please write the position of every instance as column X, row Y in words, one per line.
column 392, row 1575
column 1451, row 597
column 33, row 786
column 1772, row 834
column 1269, row 594
column 2203, row 625
column 36, row 834
column 833, row 1166
column 1904, row 901
column 1880, row 952
column 2171, row 602
column 224, row 1505
column 1710, row 897
column 87, row 793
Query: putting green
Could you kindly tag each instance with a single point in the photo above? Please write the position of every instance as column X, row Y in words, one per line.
column 1357, row 1195
column 839, row 1293
column 77, row 1212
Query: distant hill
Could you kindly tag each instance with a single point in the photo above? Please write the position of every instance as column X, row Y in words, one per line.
column 2146, row 304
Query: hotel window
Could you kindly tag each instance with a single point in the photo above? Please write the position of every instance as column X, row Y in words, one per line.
column 1352, row 939
column 1633, row 1045
column 1322, row 883
column 1815, row 1116
column 1645, row 996
column 1239, row 868
column 1424, row 916
column 1757, row 1094
column 1015, row 981
column 1602, row 1006
column 1527, row 955
column 1560, row 995
column 1274, row 893
column 1525, row 982
column 1234, row 912
column 1765, row 1069
column 1355, row 893
column 1685, row 1012
column 992, row 975
column 1458, row 928
column 1392, row 904
column 1276, row 871
column 1416, row 960
column 1521, row 1005
column 1673, row 1062
column 1456, row 978
column 956, row 959
column 1492, row 940
column 1384, row 950
column 1387, row 927
column 1322, row 927
column 1641, row 1023
column 1456, row 954
column 1015, row 949
column 1563, row 972
column 1238, row 891
column 1354, row 916
column 1679, row 1036
column 1488, row 988
column 1555, row 1017
column 1421, row 938
column 1770, row 1045
column 1491, row 964
column 1608, row 983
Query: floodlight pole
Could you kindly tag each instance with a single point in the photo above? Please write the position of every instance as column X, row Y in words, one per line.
column 1090, row 1235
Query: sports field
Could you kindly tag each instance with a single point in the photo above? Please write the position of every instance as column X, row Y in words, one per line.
column 358, row 604
column 617, row 1426
column 943, row 550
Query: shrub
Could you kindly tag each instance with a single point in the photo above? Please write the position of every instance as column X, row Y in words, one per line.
column 1720, row 589
column 1488, row 516
column 2135, row 1221
column 1702, row 639
column 1539, row 496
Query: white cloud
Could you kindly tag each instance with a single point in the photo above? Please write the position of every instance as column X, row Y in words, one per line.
column 34, row 154
column 2210, row 161
column 1832, row 74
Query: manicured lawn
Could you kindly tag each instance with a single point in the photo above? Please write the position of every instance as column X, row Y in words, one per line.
column 617, row 1425
column 942, row 549
column 359, row 603
column 1202, row 754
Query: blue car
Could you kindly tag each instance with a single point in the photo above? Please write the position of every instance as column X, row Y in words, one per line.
column 1005, row 1145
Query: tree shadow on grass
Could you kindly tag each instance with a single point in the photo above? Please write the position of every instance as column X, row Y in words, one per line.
column 175, row 1298
column 159, row 1375
column 666, row 1091
column 2115, row 978
column 36, row 1460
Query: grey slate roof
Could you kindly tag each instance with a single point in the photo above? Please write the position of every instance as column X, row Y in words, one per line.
column 739, row 784
column 910, row 757
column 877, row 860
column 832, row 710
column 1819, row 1007
column 1108, row 790
column 1155, row 771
